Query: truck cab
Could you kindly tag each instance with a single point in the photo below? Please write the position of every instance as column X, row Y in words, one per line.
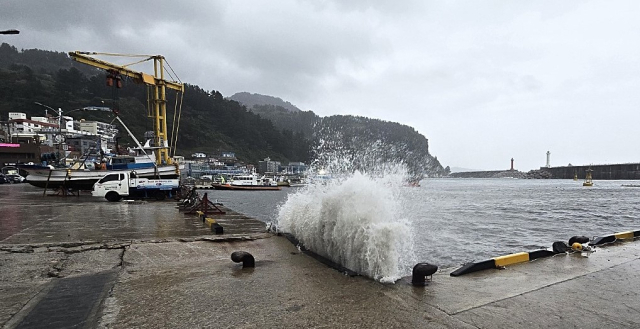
column 114, row 186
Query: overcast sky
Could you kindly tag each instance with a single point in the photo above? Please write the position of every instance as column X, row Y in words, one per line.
column 484, row 81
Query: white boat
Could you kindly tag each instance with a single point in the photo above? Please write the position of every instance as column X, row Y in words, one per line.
column 82, row 178
column 297, row 182
column 248, row 182
column 146, row 166
column 252, row 180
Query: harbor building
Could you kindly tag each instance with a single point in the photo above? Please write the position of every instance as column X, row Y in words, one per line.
column 268, row 166
column 45, row 134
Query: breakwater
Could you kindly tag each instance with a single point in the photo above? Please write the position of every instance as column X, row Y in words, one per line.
column 533, row 174
column 600, row 172
column 486, row 174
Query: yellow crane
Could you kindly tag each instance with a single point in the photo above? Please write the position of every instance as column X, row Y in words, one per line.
column 158, row 84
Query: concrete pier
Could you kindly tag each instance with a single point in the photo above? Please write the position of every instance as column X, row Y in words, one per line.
column 180, row 275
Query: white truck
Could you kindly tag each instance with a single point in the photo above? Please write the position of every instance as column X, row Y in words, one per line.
column 114, row 186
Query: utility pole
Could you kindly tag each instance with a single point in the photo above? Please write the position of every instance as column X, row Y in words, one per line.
column 59, row 136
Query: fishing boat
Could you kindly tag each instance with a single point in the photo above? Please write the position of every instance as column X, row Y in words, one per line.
column 249, row 182
column 588, row 181
column 297, row 184
column 82, row 177
column 148, row 161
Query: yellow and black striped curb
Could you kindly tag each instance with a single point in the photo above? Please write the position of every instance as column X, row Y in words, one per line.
column 628, row 235
column 522, row 257
column 498, row 262
column 211, row 223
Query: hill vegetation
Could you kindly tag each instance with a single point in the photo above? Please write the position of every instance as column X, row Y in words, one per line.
column 250, row 100
column 360, row 140
column 251, row 125
column 209, row 122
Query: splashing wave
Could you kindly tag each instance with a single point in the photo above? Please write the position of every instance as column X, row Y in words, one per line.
column 354, row 221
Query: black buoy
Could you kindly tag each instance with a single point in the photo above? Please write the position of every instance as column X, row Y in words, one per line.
column 579, row 239
column 559, row 247
column 420, row 272
column 244, row 257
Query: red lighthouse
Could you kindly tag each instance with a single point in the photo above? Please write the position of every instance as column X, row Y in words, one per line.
column 512, row 164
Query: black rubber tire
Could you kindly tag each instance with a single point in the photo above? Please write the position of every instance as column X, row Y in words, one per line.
column 113, row 196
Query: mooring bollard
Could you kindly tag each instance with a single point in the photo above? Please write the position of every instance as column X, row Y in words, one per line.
column 559, row 247
column 580, row 239
column 244, row 257
column 217, row 228
column 421, row 271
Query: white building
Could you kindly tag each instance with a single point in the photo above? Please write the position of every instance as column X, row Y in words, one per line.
column 28, row 127
column 48, row 132
column 17, row 115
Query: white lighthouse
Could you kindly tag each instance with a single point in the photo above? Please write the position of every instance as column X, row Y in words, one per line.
column 548, row 159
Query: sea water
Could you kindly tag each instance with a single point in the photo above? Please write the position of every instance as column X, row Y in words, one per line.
column 382, row 228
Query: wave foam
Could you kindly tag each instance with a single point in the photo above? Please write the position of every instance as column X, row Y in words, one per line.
column 354, row 221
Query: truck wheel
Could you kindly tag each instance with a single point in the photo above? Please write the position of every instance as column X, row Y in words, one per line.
column 160, row 195
column 113, row 197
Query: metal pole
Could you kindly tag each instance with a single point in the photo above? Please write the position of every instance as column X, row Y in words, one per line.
column 59, row 112
column 59, row 134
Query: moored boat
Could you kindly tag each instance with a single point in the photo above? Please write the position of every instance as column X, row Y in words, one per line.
column 145, row 164
column 249, row 182
column 246, row 188
column 82, row 177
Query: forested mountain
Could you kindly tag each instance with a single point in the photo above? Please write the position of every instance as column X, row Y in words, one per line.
column 371, row 144
column 250, row 100
column 303, row 121
column 209, row 122
column 40, row 61
column 360, row 139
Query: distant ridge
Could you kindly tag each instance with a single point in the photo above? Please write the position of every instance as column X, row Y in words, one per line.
column 250, row 100
column 458, row 169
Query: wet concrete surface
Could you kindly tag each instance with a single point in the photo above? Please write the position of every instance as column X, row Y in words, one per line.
column 172, row 272
column 70, row 303
column 28, row 218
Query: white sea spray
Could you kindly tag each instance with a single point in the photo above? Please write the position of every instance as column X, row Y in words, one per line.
column 353, row 219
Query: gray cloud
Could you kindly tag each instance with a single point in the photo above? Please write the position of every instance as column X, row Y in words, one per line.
column 483, row 80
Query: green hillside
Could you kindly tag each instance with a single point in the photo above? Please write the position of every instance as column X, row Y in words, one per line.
column 209, row 122
column 365, row 142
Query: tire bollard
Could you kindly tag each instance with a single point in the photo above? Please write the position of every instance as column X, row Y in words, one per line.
column 217, row 228
column 559, row 247
column 244, row 257
column 580, row 239
column 420, row 272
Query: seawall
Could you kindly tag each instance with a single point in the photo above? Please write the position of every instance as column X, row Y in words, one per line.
column 600, row 172
column 624, row 171
column 533, row 174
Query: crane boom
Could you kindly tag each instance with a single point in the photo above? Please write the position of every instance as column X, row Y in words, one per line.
column 85, row 58
column 159, row 98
